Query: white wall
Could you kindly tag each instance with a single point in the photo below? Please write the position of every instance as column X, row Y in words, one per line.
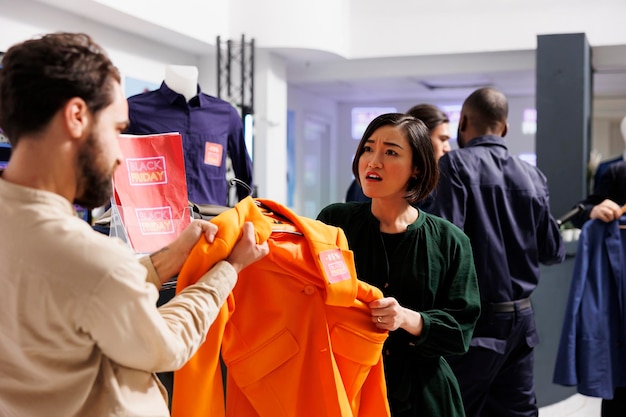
column 319, row 25
column 408, row 27
column 371, row 28
column 607, row 137
column 270, row 131
column 198, row 19
column 305, row 105
column 134, row 56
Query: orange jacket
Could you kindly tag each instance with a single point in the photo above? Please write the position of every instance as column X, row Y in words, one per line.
column 295, row 334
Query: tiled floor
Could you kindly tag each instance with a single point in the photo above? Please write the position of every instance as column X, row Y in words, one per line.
column 574, row 406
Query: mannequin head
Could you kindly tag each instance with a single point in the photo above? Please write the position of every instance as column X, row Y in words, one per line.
column 183, row 79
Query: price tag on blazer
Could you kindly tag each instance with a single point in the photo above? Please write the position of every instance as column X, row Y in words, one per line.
column 334, row 265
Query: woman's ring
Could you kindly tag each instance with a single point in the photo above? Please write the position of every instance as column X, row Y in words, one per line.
column 379, row 319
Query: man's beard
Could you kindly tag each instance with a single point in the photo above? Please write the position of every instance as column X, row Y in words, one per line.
column 94, row 182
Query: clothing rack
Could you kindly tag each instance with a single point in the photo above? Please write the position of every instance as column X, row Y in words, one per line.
column 567, row 216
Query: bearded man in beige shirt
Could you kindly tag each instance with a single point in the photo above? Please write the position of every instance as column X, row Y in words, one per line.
column 80, row 331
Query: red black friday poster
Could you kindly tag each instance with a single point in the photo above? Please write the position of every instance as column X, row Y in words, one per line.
column 151, row 190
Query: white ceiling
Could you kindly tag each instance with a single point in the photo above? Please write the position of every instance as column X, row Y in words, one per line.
column 442, row 77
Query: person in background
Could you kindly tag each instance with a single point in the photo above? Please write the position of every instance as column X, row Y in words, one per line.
column 607, row 199
column 355, row 192
column 438, row 125
column 502, row 204
column 609, row 191
column 422, row 264
column 604, row 165
column 81, row 333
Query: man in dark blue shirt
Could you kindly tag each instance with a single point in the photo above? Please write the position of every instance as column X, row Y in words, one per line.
column 502, row 204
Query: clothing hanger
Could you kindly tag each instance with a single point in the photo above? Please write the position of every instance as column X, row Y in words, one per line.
column 279, row 218
column 622, row 211
column 234, row 181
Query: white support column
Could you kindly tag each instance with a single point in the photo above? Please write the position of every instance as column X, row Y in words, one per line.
column 270, row 128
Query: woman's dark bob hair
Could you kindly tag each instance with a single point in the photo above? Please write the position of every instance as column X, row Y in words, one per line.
column 418, row 136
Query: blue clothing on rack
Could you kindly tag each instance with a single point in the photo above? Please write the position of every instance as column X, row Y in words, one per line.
column 592, row 352
column 211, row 128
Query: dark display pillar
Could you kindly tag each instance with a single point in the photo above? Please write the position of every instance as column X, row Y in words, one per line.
column 564, row 94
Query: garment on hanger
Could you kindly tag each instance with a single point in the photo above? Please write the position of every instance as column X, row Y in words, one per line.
column 295, row 333
column 211, row 129
column 592, row 352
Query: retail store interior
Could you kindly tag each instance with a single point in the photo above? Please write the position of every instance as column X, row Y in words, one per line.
column 320, row 69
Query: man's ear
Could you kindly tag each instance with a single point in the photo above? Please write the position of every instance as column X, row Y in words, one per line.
column 76, row 116
column 505, row 129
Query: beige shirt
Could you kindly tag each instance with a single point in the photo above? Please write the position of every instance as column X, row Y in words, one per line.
column 80, row 333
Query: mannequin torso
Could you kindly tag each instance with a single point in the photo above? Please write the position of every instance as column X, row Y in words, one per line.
column 211, row 128
column 183, row 79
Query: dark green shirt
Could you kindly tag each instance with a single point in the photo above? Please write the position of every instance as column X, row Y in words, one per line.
column 431, row 270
